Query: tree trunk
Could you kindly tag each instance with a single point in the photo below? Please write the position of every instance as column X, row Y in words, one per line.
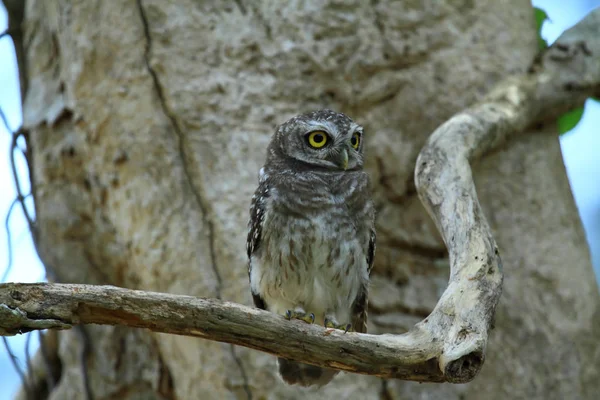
column 147, row 122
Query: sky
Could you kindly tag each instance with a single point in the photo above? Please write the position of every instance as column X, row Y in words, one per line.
column 580, row 149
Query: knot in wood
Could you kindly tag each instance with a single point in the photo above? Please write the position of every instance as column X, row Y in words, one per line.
column 465, row 368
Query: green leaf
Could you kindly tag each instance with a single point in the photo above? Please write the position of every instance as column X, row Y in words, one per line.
column 540, row 18
column 569, row 120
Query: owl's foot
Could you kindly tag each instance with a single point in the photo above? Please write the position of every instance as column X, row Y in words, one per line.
column 330, row 322
column 300, row 314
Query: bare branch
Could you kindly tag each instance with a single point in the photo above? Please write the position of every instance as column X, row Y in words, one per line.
column 37, row 306
column 561, row 79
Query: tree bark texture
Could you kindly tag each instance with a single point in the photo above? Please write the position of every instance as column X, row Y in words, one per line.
column 148, row 121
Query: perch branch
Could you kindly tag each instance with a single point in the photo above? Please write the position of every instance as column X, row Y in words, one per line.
column 449, row 345
column 45, row 306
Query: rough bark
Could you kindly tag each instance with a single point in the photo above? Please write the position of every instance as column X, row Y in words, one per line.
column 147, row 122
column 417, row 355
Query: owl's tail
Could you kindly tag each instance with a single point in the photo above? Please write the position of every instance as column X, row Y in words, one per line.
column 294, row 373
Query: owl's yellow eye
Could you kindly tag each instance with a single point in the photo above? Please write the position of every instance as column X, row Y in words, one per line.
column 317, row 139
column 355, row 141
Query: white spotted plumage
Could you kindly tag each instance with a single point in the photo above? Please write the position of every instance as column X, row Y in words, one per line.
column 311, row 236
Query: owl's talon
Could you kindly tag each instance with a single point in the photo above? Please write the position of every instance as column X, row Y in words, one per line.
column 332, row 324
column 301, row 315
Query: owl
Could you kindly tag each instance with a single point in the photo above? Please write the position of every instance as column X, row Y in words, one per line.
column 311, row 236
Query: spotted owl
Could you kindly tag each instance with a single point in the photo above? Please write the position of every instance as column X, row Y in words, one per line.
column 311, row 236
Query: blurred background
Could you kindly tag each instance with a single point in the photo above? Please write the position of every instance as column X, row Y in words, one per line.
column 580, row 148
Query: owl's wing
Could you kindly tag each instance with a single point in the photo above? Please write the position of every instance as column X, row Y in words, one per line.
column 255, row 224
column 359, row 308
column 371, row 251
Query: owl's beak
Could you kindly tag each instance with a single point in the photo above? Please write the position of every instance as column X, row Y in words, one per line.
column 343, row 160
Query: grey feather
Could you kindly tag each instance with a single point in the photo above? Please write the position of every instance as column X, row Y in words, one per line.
column 311, row 237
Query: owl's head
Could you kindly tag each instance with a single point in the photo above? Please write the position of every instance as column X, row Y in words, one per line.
column 322, row 138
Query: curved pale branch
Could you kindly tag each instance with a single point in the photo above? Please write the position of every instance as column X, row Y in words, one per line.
column 450, row 344
column 561, row 79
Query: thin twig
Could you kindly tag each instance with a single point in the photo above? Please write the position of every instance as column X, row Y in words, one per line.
column 17, row 367
column 9, row 251
column 50, row 379
column 29, row 375
column 20, row 196
column 5, row 121
column 14, row 145
column 85, row 351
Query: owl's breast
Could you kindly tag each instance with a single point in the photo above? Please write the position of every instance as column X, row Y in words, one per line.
column 314, row 256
